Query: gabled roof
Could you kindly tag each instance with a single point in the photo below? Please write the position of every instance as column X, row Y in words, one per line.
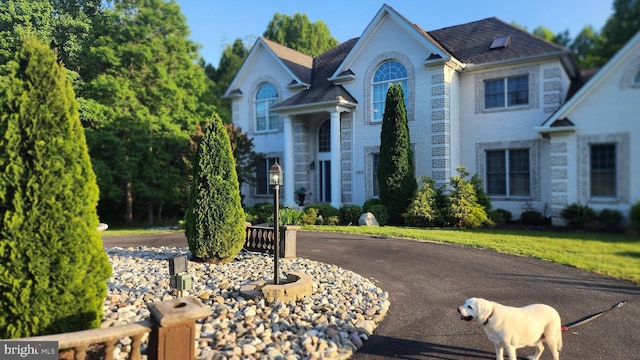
column 471, row 42
column 557, row 121
column 297, row 64
column 467, row 44
column 322, row 90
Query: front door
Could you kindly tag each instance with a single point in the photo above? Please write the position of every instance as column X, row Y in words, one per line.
column 324, row 162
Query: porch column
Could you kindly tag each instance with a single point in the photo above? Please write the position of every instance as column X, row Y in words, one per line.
column 288, row 165
column 336, row 183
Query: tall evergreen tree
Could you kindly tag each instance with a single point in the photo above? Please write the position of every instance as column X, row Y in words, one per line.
column 215, row 218
column 53, row 270
column 396, row 170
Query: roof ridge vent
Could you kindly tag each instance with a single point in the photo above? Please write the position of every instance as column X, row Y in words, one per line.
column 500, row 42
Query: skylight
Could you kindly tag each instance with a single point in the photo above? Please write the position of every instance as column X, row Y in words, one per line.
column 501, row 42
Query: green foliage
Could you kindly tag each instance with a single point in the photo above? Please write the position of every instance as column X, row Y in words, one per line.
column 366, row 207
column 634, row 217
column 424, row 210
column 381, row 213
column 214, row 221
column 396, row 172
column 619, row 28
column 499, row 216
column 52, row 264
column 532, row 217
column 260, row 212
column 609, row 220
column 300, row 34
column 287, row 216
column 332, row 221
column 481, row 195
column 350, row 214
column 578, row 216
column 245, row 158
column 142, row 100
column 324, row 210
column 463, row 209
column 310, row 217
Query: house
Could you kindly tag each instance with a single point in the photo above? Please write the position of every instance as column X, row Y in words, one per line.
column 484, row 95
column 594, row 147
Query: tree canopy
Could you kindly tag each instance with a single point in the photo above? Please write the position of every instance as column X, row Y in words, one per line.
column 299, row 33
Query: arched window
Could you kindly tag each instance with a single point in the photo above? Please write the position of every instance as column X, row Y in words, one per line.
column 324, row 137
column 389, row 72
column 266, row 97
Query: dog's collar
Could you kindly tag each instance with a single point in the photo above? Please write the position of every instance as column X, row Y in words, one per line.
column 489, row 317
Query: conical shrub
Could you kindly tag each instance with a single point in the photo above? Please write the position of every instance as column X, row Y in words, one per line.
column 214, row 220
column 53, row 269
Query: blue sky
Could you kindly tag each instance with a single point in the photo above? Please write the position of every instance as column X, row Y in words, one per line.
column 215, row 24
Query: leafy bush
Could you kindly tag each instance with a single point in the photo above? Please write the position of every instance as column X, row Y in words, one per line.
column 499, row 216
column 423, row 210
column 578, row 216
column 260, row 212
column 350, row 214
column 532, row 217
column 366, row 207
column 309, row 217
column 332, row 220
column 324, row 210
column 463, row 209
column 381, row 214
column 609, row 220
column 634, row 217
column 287, row 216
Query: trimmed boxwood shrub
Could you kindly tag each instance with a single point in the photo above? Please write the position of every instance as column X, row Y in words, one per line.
column 53, row 269
column 532, row 217
column 350, row 214
column 381, row 214
column 366, row 207
column 324, row 210
column 609, row 220
column 578, row 216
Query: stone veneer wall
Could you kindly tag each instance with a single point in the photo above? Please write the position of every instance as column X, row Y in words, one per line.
column 346, row 156
column 440, row 129
column 552, row 89
column 559, row 179
column 301, row 156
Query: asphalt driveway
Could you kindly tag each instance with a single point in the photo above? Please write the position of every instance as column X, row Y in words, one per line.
column 428, row 281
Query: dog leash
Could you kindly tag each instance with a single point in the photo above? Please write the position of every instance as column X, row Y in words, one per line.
column 588, row 318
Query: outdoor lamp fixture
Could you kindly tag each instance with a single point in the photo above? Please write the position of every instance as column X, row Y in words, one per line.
column 276, row 180
column 180, row 278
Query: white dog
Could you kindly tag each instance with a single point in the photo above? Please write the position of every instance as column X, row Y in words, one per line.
column 510, row 328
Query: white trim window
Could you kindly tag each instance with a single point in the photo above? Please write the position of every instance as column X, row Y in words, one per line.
column 603, row 170
column 266, row 96
column 389, row 72
column 262, row 176
column 506, row 92
column 508, row 173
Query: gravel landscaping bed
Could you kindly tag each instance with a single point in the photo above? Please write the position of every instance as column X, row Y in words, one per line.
column 333, row 323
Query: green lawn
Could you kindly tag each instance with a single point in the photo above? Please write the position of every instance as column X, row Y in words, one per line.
column 613, row 255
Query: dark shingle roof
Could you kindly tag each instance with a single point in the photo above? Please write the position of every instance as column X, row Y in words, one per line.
column 471, row 42
column 323, row 90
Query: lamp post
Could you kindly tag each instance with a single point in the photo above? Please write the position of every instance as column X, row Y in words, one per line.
column 276, row 180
